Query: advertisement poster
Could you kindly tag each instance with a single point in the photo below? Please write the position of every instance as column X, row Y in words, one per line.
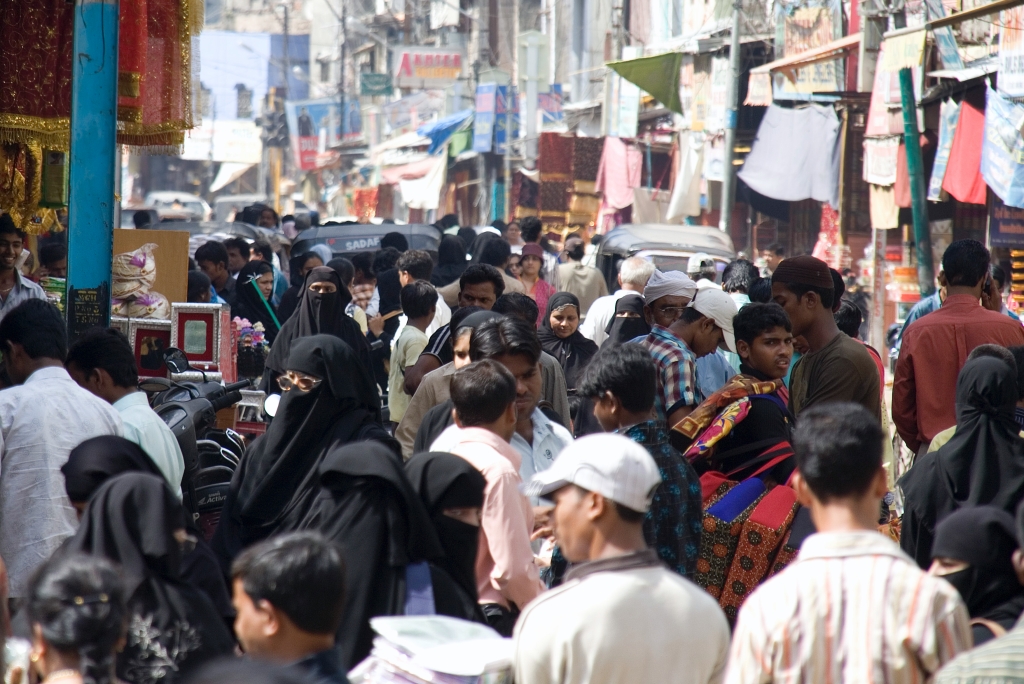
column 949, row 114
column 549, row 104
column 1005, row 225
column 313, row 128
column 483, row 121
column 224, row 140
column 422, row 67
column 412, row 111
column 506, row 122
column 802, row 26
column 1011, row 52
column 1002, row 153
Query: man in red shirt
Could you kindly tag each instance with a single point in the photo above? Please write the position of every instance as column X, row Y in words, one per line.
column 935, row 347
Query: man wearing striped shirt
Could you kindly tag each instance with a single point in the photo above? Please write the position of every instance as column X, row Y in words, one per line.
column 852, row 608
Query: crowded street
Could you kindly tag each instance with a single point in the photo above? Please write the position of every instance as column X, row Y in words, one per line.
column 511, row 342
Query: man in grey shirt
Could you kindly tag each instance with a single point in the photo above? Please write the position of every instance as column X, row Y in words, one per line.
column 14, row 289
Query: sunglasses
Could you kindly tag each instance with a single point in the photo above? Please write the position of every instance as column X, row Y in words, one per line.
column 300, row 381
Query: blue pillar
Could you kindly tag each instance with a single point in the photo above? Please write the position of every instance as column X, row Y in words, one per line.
column 93, row 154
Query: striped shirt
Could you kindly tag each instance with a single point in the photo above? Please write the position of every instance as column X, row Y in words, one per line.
column 852, row 609
column 1000, row 661
column 677, row 371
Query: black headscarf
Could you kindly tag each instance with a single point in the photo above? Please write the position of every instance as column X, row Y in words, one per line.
column 173, row 629
column 366, row 504
column 249, row 301
column 277, row 480
column 985, row 537
column 316, row 314
column 451, row 261
column 447, row 481
column 96, row 460
column 573, row 352
column 389, row 287
column 622, row 330
column 982, row 464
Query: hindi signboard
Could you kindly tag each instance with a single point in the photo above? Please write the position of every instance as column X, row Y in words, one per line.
column 422, row 67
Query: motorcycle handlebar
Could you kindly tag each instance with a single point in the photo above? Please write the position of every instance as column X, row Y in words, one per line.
column 229, row 399
column 242, row 384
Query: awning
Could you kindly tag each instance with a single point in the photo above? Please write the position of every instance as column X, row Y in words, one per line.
column 441, row 130
column 657, row 75
column 228, row 173
column 759, row 88
column 954, row 19
column 976, row 69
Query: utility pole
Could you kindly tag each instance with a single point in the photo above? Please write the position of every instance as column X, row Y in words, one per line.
column 341, row 73
column 286, row 63
column 731, row 107
column 915, row 169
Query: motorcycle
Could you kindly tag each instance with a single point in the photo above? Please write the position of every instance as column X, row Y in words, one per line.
column 211, row 456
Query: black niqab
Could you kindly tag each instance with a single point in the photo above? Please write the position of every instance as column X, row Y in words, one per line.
column 367, row 505
column 249, row 301
column 96, row 460
column 622, row 330
column 173, row 629
column 984, row 537
column 573, row 352
column 451, row 261
column 982, row 464
column 316, row 314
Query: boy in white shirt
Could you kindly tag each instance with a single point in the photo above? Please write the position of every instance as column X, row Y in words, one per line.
column 419, row 303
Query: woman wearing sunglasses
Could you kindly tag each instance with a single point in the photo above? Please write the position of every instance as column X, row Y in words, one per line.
column 328, row 399
column 321, row 311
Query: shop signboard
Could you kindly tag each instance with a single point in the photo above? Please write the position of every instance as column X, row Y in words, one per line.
column 802, row 26
column 945, row 41
column 506, row 122
column 949, row 114
column 1011, row 52
column 483, row 119
column 1005, row 225
column 718, row 94
column 373, row 85
column 422, row 67
column 1002, row 153
column 224, row 140
column 412, row 111
column 313, row 128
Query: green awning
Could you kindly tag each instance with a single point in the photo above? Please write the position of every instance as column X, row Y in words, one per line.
column 657, row 75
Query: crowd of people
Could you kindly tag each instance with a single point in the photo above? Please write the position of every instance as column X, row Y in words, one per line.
column 691, row 478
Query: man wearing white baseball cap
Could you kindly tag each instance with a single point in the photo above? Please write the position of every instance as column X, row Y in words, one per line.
column 621, row 616
column 714, row 369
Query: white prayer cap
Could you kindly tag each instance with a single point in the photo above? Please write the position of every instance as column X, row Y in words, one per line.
column 669, row 284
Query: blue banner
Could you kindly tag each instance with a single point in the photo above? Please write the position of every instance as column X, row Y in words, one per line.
column 949, row 114
column 506, row 124
column 1002, row 154
column 1005, row 225
column 483, row 124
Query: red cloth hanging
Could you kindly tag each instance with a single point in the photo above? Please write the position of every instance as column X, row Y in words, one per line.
column 963, row 178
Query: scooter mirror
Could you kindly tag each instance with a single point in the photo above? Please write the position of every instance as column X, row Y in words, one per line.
column 271, row 403
column 176, row 361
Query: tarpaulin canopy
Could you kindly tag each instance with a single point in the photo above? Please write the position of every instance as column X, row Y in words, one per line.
column 657, row 75
column 442, row 130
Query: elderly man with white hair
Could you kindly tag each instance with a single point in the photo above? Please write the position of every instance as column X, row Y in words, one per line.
column 634, row 273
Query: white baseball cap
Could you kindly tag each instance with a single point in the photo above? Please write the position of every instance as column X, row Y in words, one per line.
column 611, row 465
column 699, row 261
column 718, row 306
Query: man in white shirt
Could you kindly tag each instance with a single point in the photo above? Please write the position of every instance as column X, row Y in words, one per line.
column 41, row 420
column 621, row 616
column 102, row 362
column 634, row 273
column 514, row 344
column 416, row 265
column 853, row 607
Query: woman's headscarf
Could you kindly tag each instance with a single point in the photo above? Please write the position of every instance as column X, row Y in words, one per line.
column 389, row 287
column 316, row 314
column 250, row 303
column 96, row 460
column 367, row 505
column 277, row 480
column 451, row 261
column 985, row 537
column 622, row 330
column 446, row 481
column 131, row 520
column 573, row 352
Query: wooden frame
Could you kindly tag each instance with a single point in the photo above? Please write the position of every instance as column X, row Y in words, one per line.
column 204, row 333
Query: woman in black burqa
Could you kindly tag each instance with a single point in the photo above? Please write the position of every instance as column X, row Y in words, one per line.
column 366, row 504
column 628, row 323
column 134, row 520
column 95, row 461
column 451, row 261
column 278, row 478
column 973, row 551
column 452, row 491
column 251, row 304
column 321, row 311
column 982, row 464
column 573, row 351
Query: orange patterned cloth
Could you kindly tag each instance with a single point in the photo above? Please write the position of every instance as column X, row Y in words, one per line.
column 738, row 387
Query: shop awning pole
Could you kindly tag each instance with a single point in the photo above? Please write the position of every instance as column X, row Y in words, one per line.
column 92, row 164
column 732, row 94
column 915, row 169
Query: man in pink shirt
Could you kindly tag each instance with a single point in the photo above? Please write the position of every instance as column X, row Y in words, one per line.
column 484, row 396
